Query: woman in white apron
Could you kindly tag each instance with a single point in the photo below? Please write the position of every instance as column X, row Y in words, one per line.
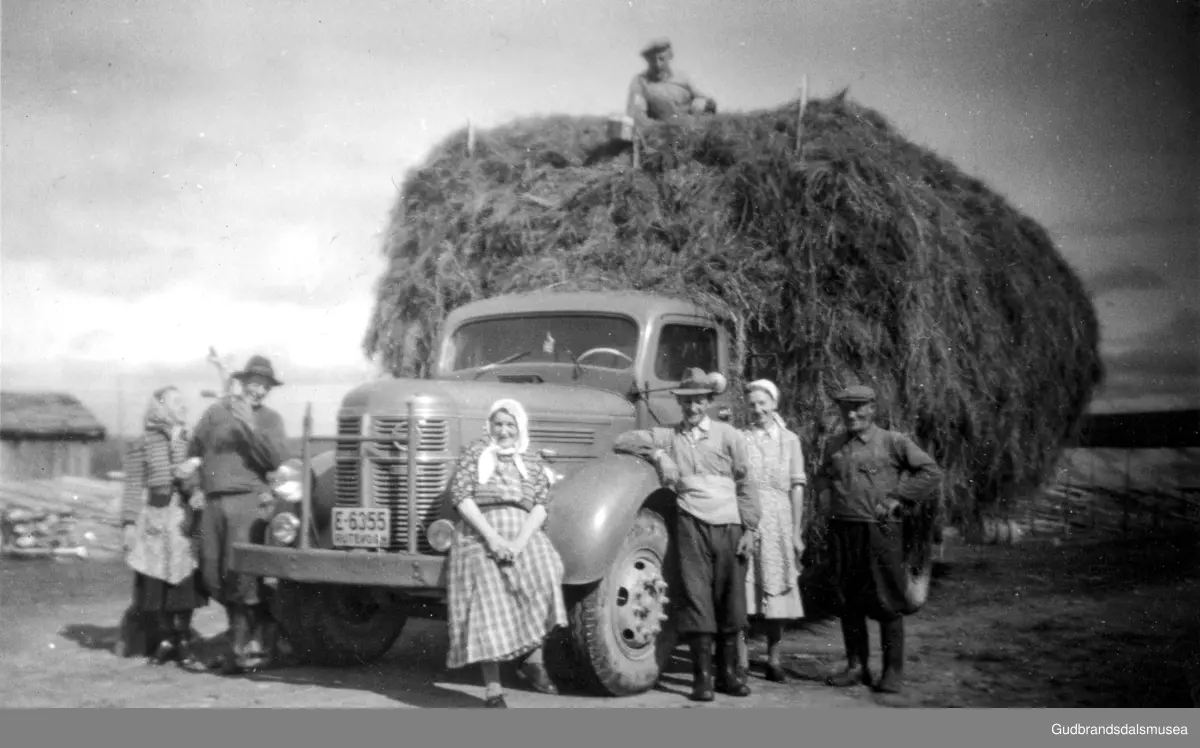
column 159, row 522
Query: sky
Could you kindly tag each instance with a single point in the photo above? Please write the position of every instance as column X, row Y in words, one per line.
column 177, row 174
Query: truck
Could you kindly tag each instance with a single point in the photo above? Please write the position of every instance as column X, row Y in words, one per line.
column 359, row 546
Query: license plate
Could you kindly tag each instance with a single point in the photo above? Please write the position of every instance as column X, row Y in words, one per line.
column 361, row 528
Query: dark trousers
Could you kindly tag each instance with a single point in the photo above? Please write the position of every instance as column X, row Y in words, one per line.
column 867, row 570
column 867, row 564
column 228, row 519
column 712, row 578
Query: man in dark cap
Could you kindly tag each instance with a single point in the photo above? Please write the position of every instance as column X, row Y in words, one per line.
column 870, row 476
column 239, row 441
column 705, row 463
column 662, row 94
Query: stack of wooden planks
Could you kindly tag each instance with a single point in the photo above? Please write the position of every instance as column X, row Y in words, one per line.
column 65, row 516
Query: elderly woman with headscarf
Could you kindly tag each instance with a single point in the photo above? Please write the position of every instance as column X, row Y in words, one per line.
column 505, row 578
column 777, row 467
column 159, row 521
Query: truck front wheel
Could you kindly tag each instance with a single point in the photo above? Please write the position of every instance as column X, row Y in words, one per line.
column 620, row 626
column 336, row 625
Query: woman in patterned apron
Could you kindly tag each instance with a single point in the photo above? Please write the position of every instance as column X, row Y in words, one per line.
column 505, row 578
column 159, row 521
column 777, row 467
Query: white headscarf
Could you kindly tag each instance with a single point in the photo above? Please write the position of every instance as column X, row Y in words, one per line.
column 487, row 459
column 767, row 386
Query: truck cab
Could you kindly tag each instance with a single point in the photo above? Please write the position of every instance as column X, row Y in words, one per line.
column 364, row 547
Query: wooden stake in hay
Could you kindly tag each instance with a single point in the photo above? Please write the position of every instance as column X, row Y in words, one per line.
column 861, row 258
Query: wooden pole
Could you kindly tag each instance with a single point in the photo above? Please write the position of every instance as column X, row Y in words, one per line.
column 1092, row 488
column 800, row 113
column 1125, row 495
column 1066, row 504
column 470, row 139
column 306, row 478
column 636, row 155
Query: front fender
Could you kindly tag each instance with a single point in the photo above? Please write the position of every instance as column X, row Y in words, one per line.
column 593, row 509
column 324, row 495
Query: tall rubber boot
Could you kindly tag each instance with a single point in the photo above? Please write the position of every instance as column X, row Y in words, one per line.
column 240, row 626
column 857, row 641
column 727, row 676
column 892, row 635
column 702, row 671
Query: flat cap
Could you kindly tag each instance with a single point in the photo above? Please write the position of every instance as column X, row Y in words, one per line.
column 856, row 394
column 655, row 46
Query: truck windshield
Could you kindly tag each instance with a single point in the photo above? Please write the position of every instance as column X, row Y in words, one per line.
column 591, row 340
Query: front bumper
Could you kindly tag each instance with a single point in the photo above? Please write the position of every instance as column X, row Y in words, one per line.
column 369, row 569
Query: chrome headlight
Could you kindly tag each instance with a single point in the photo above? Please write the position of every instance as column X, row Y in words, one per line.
column 286, row 483
column 284, row 528
column 440, row 535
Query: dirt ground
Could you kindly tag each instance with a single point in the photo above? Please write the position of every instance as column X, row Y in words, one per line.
column 1074, row 625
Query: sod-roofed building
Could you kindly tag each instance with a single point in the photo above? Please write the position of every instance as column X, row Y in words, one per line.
column 46, row 435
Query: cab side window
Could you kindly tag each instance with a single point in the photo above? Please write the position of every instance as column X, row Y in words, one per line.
column 681, row 347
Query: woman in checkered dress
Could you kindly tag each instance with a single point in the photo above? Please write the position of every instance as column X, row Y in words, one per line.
column 505, row 578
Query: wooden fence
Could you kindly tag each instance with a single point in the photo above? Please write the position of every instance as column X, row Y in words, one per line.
column 1107, row 493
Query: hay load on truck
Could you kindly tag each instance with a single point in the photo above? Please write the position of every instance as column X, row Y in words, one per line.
column 538, row 261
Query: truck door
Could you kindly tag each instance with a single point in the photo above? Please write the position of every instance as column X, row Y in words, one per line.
column 679, row 343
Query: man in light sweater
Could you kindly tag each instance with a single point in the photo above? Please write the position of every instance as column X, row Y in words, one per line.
column 704, row 462
column 661, row 94
column 239, row 441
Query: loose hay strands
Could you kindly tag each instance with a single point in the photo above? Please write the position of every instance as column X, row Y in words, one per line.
column 861, row 259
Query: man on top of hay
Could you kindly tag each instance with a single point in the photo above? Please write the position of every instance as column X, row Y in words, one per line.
column 662, row 94
column 868, row 477
column 705, row 463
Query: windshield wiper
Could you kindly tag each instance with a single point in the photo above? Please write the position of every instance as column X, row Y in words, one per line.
column 515, row 357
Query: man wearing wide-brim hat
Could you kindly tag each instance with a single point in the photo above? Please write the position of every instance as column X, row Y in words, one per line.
column 705, row 463
column 661, row 94
column 240, row 442
column 870, row 476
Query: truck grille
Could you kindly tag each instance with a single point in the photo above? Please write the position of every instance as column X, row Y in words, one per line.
column 433, row 433
column 386, row 473
column 346, row 472
column 389, row 484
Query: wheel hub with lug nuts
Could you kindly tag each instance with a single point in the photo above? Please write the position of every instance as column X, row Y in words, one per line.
column 641, row 604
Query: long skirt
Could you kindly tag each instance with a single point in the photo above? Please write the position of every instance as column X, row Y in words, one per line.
column 772, row 576
column 156, row 596
column 501, row 612
column 145, row 622
column 867, row 569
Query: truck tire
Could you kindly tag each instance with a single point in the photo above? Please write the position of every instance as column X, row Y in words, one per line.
column 336, row 625
column 621, row 627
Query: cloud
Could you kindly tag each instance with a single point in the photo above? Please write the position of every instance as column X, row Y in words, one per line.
column 1165, row 365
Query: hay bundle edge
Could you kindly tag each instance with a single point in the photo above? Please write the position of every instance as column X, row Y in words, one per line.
column 859, row 258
